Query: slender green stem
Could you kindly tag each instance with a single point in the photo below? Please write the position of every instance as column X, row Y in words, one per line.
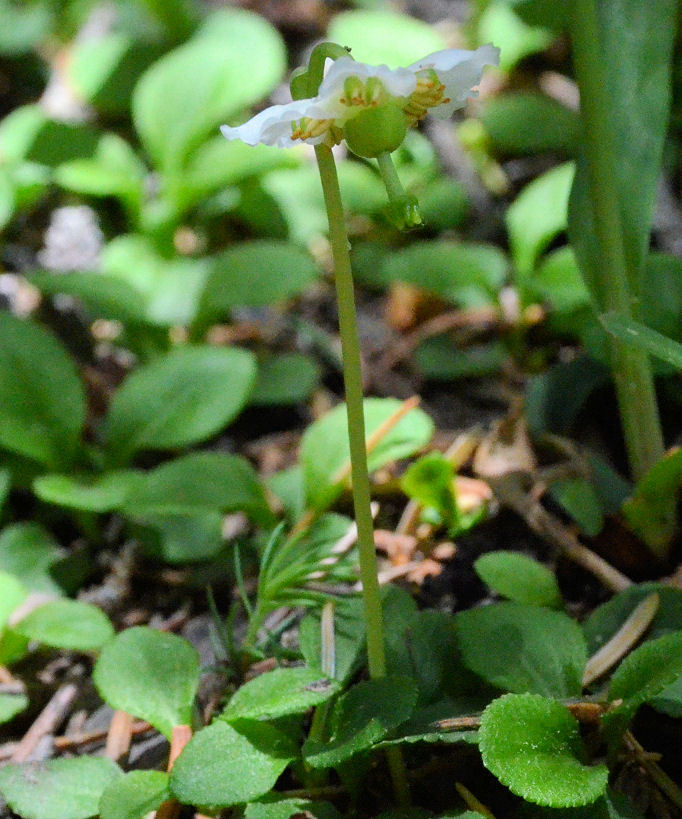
column 631, row 366
column 394, row 187
column 352, row 378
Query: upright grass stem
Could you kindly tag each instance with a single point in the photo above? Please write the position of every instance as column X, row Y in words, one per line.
column 630, row 366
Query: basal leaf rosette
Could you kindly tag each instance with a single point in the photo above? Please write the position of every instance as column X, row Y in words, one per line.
column 371, row 106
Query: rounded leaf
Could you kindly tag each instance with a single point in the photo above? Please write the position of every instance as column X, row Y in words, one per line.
column 68, row 624
column 533, row 746
column 253, row 274
column 12, row 593
column 523, row 648
column 226, row 764
column 149, row 674
column 519, row 578
column 178, row 399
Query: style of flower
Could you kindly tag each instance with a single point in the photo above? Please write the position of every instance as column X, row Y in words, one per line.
column 439, row 83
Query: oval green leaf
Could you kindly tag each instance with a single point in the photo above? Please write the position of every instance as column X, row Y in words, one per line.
column 42, row 401
column 188, row 93
column 101, row 493
column 28, row 551
column 68, row 624
column 523, row 648
column 226, row 764
column 533, row 746
column 254, row 274
column 179, row 399
column 519, row 578
column 278, row 693
column 149, row 674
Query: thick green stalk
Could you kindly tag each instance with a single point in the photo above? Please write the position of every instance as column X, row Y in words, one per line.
column 631, row 366
column 352, row 379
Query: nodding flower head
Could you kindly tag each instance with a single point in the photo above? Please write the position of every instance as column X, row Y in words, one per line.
column 371, row 106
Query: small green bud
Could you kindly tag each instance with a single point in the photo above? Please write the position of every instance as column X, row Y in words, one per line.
column 376, row 131
column 403, row 213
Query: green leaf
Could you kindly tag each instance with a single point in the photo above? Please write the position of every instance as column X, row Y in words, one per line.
column 533, row 746
column 469, row 275
column 29, row 551
column 169, row 289
column 182, row 538
column 288, row 378
column 102, row 295
column 114, row 170
column 645, row 511
column 429, row 481
column 11, row 705
column 384, row 37
column 529, row 123
column 578, row 497
column 188, row 93
column 272, row 808
column 558, row 281
column 440, row 359
column 516, row 40
column 104, row 69
column 196, row 483
column 643, row 337
column 519, row 578
column 179, row 399
column 134, row 795
column 42, row 401
column 349, row 638
column 12, row 593
column 324, row 448
column 537, row 215
column 636, row 42
column 255, row 274
column 227, row 764
column 362, row 717
column 68, row 624
column 555, row 398
column 58, row 788
column 218, row 164
column 22, row 27
column 279, row 693
column 643, row 674
column 91, row 493
column 28, row 133
column 523, row 648
column 151, row 675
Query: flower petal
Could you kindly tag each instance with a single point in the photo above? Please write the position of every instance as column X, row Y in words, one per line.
column 459, row 71
column 273, row 126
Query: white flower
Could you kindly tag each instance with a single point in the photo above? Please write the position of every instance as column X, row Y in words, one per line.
column 439, row 83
